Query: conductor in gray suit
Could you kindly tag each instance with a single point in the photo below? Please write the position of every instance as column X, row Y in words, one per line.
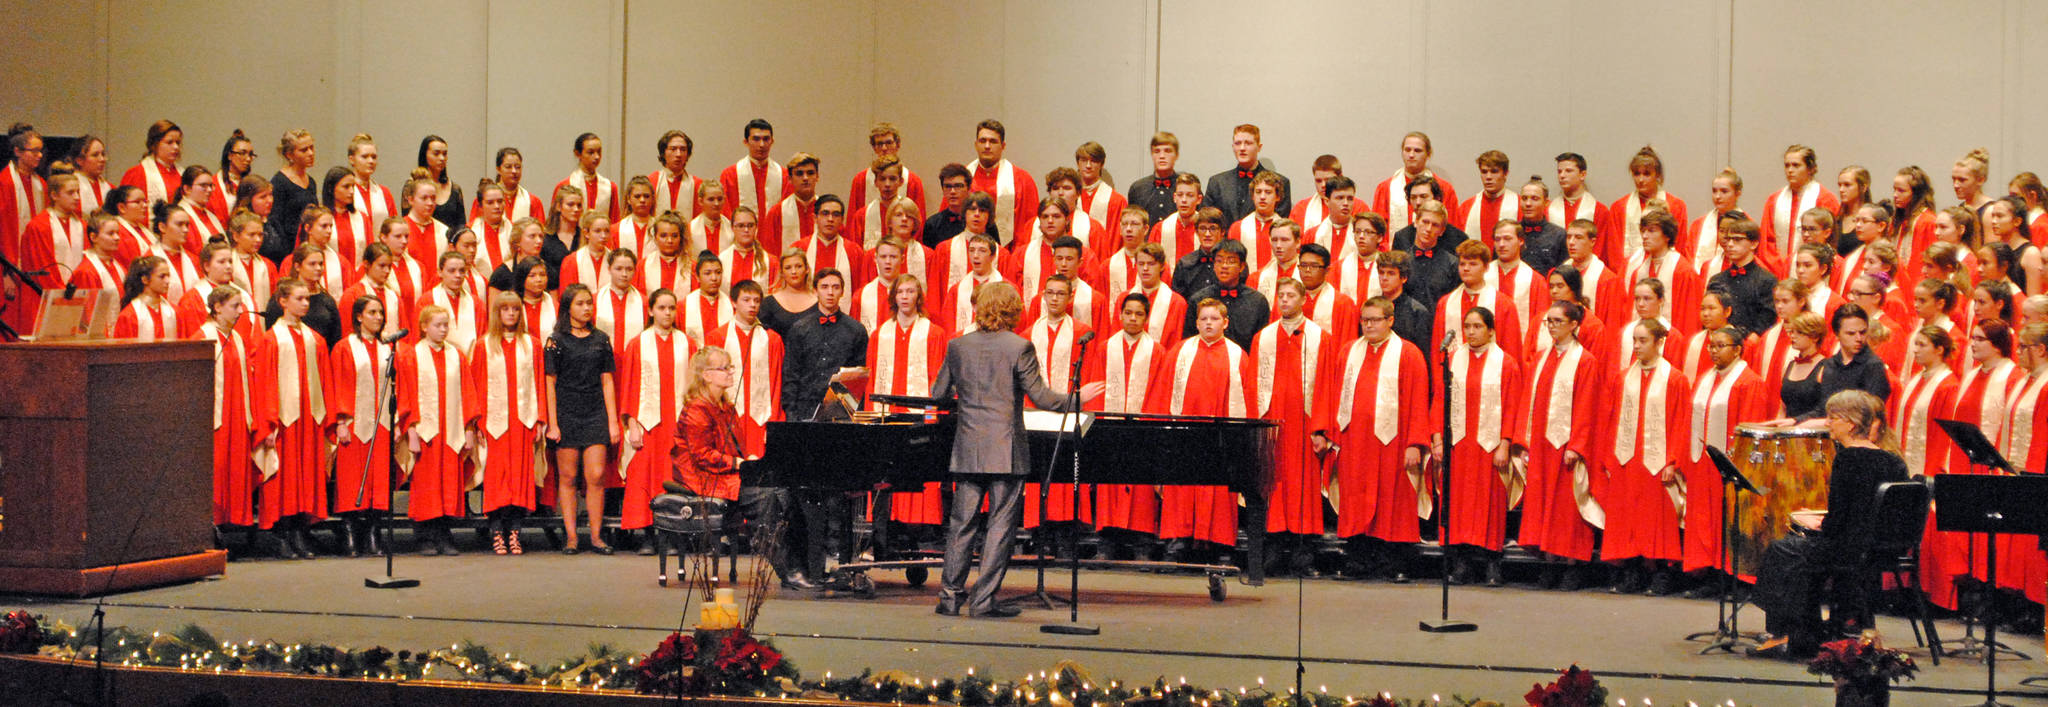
column 991, row 371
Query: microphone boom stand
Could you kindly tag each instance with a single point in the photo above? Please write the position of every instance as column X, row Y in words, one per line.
column 1072, row 421
column 388, row 389
column 1444, row 622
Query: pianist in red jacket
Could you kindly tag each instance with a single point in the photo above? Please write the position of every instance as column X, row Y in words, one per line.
column 708, row 460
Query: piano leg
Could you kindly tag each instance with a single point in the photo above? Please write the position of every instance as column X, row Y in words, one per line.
column 1253, row 522
column 881, row 513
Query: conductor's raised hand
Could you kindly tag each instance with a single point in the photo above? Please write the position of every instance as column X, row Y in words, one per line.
column 1091, row 391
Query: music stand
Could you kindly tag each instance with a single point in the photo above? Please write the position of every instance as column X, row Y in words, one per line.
column 1990, row 504
column 1980, row 452
column 1727, row 636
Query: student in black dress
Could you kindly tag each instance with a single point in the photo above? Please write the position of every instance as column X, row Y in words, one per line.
column 323, row 315
column 527, row 237
column 1799, row 394
column 292, row 189
column 447, row 194
column 794, row 297
column 563, row 234
column 1790, row 580
column 583, row 414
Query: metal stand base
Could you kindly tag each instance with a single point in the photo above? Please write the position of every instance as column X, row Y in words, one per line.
column 390, row 582
column 1448, row 626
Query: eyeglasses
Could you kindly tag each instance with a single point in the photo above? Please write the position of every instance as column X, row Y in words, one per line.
column 1854, row 293
column 749, row 225
column 953, row 185
column 242, row 153
column 1374, row 320
column 725, row 368
column 1555, row 320
column 1306, row 265
column 833, row 214
column 1719, row 345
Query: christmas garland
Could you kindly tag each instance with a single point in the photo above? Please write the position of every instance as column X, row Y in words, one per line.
column 729, row 662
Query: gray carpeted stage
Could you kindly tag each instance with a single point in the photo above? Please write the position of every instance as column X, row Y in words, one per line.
column 1358, row 637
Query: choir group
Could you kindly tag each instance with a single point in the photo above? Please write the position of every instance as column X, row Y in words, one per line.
column 1595, row 349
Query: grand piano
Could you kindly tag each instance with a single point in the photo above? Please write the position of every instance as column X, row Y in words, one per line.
column 906, row 450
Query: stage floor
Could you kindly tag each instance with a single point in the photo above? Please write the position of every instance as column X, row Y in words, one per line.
column 1357, row 637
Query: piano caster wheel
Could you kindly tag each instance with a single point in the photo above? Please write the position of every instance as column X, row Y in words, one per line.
column 916, row 576
column 1218, row 591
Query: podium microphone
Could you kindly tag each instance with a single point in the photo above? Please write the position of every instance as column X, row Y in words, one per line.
column 1450, row 341
column 395, row 337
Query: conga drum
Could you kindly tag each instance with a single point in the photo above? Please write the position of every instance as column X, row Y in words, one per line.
column 1791, row 466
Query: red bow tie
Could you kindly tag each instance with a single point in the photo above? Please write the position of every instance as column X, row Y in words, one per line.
column 1227, row 293
column 828, row 319
column 1162, row 182
column 1425, row 253
column 1738, row 270
column 1243, row 173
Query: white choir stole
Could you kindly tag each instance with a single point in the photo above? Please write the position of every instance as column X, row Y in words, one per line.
column 1914, row 417
column 224, row 339
column 621, row 315
column 707, row 232
column 1785, row 209
column 1123, row 391
column 1162, row 301
column 1710, row 401
column 1055, row 350
column 651, row 407
column 1386, row 414
column 789, row 216
column 752, row 390
column 1557, row 429
column 1183, row 363
column 1267, row 345
column 2019, row 426
column 751, row 192
column 511, row 387
column 1487, row 432
column 464, row 327
column 368, row 403
column 673, row 194
column 597, row 191
column 1005, row 216
column 916, row 364
column 1991, row 407
column 1642, row 415
column 701, row 314
column 298, row 351
column 440, row 399
column 1633, row 207
column 1562, row 213
column 657, row 271
column 1706, row 246
column 1505, row 207
column 155, row 323
column 1398, row 216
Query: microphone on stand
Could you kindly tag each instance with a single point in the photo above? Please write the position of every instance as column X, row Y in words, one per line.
column 1450, row 341
column 1085, row 338
column 394, row 337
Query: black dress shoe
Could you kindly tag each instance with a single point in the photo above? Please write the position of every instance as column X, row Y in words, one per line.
column 348, row 538
column 1400, row 578
column 448, row 544
column 602, row 549
column 303, row 540
column 946, row 609
column 1493, row 574
column 999, row 611
column 798, row 582
column 1662, row 583
column 1573, row 580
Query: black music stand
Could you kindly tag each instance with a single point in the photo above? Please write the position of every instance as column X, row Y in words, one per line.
column 1982, row 453
column 1990, row 504
column 1727, row 636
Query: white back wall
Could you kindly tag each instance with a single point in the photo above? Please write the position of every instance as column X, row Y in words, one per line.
column 1724, row 82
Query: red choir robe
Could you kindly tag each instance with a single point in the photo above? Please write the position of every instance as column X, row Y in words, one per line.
column 1390, row 199
column 467, row 320
column 142, row 321
column 2022, row 566
column 1053, row 344
column 788, row 222
column 192, row 313
column 1701, row 243
column 92, row 195
column 1622, row 240
column 1335, row 312
column 584, row 267
column 234, row 475
column 1087, row 305
column 1175, row 234
column 1779, row 221
column 753, row 185
column 1169, row 313
column 675, row 193
column 867, row 225
column 1484, row 417
column 1254, row 232
column 621, row 315
column 657, row 368
column 1928, row 396
column 22, row 199
column 1606, row 295
column 1450, row 317
column 1267, row 279
column 1530, row 292
column 1208, row 379
column 905, row 361
column 1028, row 265
column 505, row 373
column 1694, row 359
column 1310, row 212
column 99, row 272
column 395, row 309
column 436, row 400
column 157, row 180
column 600, row 195
column 373, row 204
column 425, row 242
column 1127, row 366
column 184, row 269
column 1564, row 405
column 1117, row 271
column 950, row 260
column 362, row 468
column 1479, row 214
column 1384, row 388
column 701, row 314
column 335, row 275
column 1295, row 385
column 1104, row 205
column 52, row 245
column 256, row 276
column 494, row 242
column 1563, row 211
column 289, row 394
column 872, row 302
column 751, row 264
column 135, row 241
column 1648, row 429
column 1683, row 286
column 1982, row 399
column 840, row 253
column 1332, row 235
column 1624, row 343
column 756, row 392
column 955, row 311
column 709, row 231
column 913, row 189
column 1773, row 354
column 205, row 225
column 540, row 319
column 629, row 232
column 1014, row 191
column 1721, row 399
column 657, row 271
column 1356, row 276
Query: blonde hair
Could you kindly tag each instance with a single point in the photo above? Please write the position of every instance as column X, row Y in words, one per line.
column 1865, row 415
column 428, row 313
column 358, row 141
column 1978, row 161
column 291, row 137
column 997, row 306
column 699, row 363
column 500, row 301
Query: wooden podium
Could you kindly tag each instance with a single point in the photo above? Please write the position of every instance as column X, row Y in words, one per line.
column 98, row 439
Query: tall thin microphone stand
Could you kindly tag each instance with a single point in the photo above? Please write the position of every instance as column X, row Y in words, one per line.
column 388, row 393
column 1444, row 622
column 1071, row 425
